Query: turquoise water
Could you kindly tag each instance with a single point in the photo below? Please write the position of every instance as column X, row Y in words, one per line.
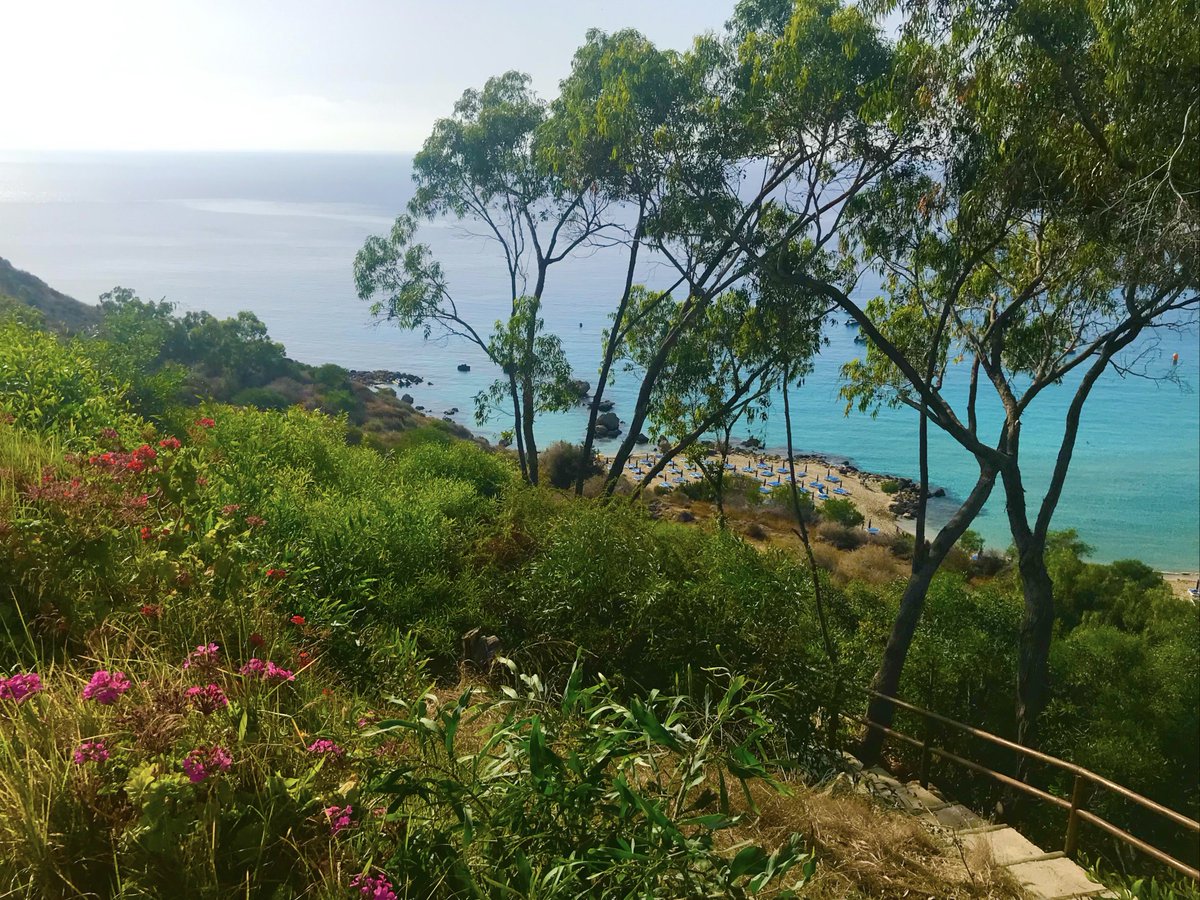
column 277, row 234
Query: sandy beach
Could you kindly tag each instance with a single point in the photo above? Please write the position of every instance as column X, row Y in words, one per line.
column 863, row 488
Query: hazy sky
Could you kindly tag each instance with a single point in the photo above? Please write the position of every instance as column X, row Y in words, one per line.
column 295, row 75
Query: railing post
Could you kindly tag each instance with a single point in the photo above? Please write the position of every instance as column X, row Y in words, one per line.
column 1078, row 790
column 926, row 756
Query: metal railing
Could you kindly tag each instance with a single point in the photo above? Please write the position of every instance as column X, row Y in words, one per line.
column 1084, row 780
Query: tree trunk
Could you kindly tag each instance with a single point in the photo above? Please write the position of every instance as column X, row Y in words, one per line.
column 610, row 354
column 912, row 604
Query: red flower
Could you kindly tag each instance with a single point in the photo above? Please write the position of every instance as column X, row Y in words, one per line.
column 151, row 611
column 170, row 443
column 255, row 521
column 297, row 620
column 277, row 573
column 145, row 453
column 205, row 422
column 147, row 532
column 256, row 640
column 230, row 509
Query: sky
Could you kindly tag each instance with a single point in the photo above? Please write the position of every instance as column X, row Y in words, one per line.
column 302, row 75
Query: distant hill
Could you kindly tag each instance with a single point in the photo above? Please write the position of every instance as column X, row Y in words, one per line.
column 60, row 312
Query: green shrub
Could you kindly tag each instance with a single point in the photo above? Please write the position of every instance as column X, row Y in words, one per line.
column 842, row 537
column 889, row 486
column 561, row 463
column 841, row 511
column 261, row 398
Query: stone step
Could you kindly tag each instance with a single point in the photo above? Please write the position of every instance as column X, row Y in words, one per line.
column 1055, row 879
column 1007, row 845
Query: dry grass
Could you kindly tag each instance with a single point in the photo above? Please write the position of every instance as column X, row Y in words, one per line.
column 864, row 850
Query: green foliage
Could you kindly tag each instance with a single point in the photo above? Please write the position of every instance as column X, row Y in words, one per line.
column 971, row 541
column 562, row 463
column 889, row 486
column 556, row 802
column 841, row 511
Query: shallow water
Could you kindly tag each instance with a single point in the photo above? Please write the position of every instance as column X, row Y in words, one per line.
column 277, row 234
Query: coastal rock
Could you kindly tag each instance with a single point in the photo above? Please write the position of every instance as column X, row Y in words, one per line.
column 463, row 367
column 940, row 492
column 504, row 443
column 753, row 443
column 605, row 406
column 383, row 376
column 451, row 411
column 407, row 398
column 419, row 408
column 610, row 421
column 580, row 387
column 641, row 439
column 684, row 516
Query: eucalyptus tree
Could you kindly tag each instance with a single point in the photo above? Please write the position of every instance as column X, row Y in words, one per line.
column 611, row 127
column 486, row 165
column 786, row 121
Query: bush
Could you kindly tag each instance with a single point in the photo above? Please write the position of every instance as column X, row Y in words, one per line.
column 889, row 486
column 842, row 511
column 842, row 537
column 261, row 398
column 971, row 541
column 561, row 463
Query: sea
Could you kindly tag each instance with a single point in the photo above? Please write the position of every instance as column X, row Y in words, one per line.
column 277, row 233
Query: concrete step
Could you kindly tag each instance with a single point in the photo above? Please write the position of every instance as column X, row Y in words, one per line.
column 1055, row 879
column 1007, row 845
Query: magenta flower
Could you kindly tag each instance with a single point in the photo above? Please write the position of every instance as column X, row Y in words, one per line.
column 325, row 746
column 266, row 670
column 208, row 699
column 105, row 687
column 277, row 673
column 90, row 751
column 375, row 887
column 20, row 686
column 339, row 817
column 201, row 764
column 205, row 656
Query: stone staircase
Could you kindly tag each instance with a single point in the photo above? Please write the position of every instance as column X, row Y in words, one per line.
column 1044, row 876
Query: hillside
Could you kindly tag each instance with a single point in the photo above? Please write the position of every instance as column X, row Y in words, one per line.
column 62, row 313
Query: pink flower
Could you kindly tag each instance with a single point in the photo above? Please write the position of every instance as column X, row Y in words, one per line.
column 170, row 443
column 205, row 656
column 267, row 671
column 201, row 764
column 277, row 673
column 324, row 746
column 205, row 422
column 255, row 521
column 375, row 887
column 105, row 687
column 20, row 686
column 90, row 751
column 339, row 817
column 208, row 699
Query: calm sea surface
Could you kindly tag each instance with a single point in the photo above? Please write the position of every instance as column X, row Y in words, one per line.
column 277, row 234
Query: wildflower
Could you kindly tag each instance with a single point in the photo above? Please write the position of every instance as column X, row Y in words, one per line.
column 266, row 670
column 151, row 610
column 339, row 817
column 90, row 751
column 255, row 521
column 205, row 422
column 202, row 481
column 109, row 434
column 305, row 657
column 325, row 747
column 203, row 657
column 208, row 699
column 277, row 573
column 20, row 686
column 374, row 887
column 277, row 673
column 297, row 620
column 170, row 443
column 230, row 508
column 105, row 687
column 141, row 501
column 201, row 764
column 257, row 640
column 147, row 533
